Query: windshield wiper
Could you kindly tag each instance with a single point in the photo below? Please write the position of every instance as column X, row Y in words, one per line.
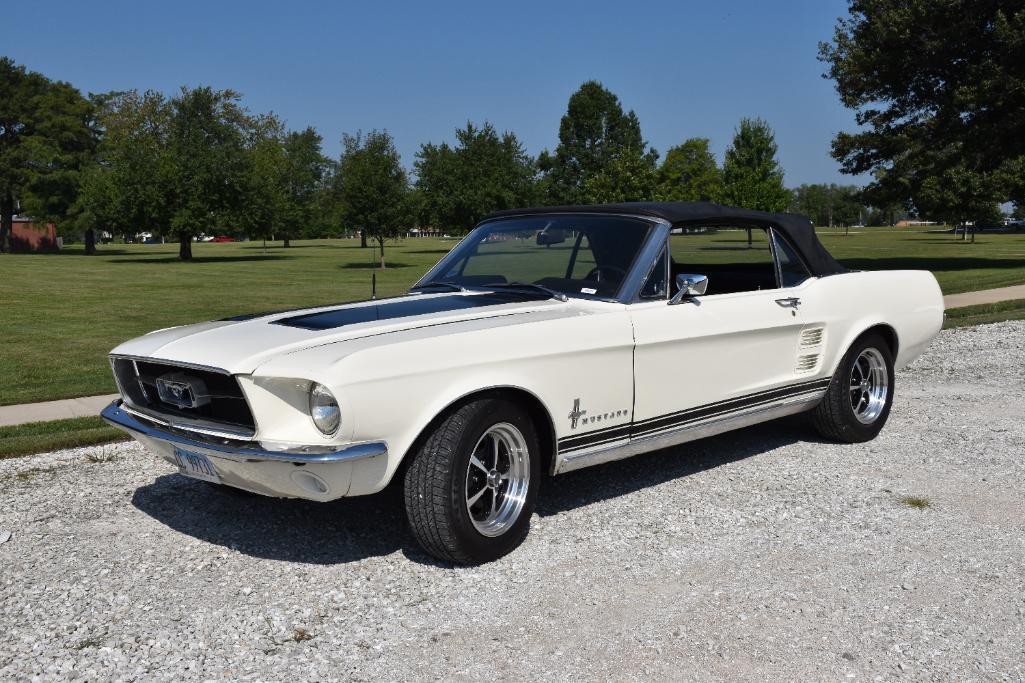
column 530, row 286
column 441, row 283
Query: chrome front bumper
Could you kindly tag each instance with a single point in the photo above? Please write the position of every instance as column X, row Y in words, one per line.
column 313, row 472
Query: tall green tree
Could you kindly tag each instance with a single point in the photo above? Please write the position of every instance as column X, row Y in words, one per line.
column 593, row 132
column 483, row 172
column 265, row 205
column 207, row 151
column 46, row 137
column 752, row 177
column 132, row 187
column 374, row 189
column 938, row 90
column 305, row 169
column 690, row 173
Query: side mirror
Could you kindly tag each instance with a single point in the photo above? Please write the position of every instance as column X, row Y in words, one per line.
column 550, row 236
column 689, row 285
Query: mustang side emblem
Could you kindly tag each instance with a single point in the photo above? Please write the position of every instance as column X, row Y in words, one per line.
column 576, row 414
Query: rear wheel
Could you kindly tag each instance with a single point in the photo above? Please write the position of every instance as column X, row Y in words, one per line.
column 471, row 486
column 857, row 402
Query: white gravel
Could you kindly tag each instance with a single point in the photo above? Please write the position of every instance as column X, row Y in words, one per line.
column 761, row 554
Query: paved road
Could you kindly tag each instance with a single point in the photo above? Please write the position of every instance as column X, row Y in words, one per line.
column 759, row 555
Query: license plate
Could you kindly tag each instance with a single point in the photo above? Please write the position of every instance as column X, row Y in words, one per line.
column 195, row 465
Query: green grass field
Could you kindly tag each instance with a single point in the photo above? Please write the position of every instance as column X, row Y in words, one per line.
column 62, row 313
column 985, row 313
column 39, row 437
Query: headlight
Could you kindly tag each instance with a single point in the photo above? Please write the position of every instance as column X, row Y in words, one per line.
column 324, row 409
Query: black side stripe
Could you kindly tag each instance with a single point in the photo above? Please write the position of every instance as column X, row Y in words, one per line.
column 701, row 412
column 688, row 416
column 682, row 422
column 607, row 434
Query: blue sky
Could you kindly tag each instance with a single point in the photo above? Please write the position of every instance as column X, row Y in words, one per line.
column 422, row 69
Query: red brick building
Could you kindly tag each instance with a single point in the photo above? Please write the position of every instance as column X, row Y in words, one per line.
column 27, row 236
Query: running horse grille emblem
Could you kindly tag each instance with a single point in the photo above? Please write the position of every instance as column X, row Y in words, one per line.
column 576, row 413
column 181, row 391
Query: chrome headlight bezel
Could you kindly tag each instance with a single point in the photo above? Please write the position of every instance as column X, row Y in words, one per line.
column 324, row 410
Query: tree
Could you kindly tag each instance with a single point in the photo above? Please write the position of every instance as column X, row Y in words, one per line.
column 752, row 178
column 266, row 200
column 46, row 137
column 304, row 168
column 829, row 205
column 593, row 132
column 629, row 177
column 690, row 173
column 131, row 187
column 206, row 149
column 374, row 189
column 959, row 196
column 483, row 172
column 938, row 87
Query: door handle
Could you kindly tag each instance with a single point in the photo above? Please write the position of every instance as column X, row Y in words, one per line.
column 789, row 302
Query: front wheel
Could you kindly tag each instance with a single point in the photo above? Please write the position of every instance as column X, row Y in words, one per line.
column 471, row 485
column 857, row 402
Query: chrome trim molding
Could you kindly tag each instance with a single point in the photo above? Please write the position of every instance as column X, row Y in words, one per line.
column 198, row 426
column 675, row 437
column 247, row 451
column 163, row 361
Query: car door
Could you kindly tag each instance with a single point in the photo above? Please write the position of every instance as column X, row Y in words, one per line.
column 731, row 351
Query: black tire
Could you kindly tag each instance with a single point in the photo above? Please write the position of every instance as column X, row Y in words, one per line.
column 437, row 480
column 835, row 417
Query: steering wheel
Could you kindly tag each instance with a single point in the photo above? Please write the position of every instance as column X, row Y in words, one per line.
column 595, row 273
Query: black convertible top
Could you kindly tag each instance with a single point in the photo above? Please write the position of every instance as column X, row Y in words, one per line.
column 797, row 229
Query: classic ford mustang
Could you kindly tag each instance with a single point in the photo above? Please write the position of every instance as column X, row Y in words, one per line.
column 547, row 340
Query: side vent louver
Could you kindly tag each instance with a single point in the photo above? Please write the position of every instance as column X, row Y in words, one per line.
column 807, row 362
column 811, row 337
column 809, row 349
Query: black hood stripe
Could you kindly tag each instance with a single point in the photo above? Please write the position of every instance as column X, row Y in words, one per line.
column 402, row 307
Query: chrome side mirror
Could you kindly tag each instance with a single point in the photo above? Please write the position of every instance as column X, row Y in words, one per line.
column 689, row 285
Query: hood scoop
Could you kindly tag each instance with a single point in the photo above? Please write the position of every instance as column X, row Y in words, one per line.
column 401, row 307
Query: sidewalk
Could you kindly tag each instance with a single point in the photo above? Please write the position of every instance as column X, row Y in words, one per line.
column 54, row 410
column 984, row 296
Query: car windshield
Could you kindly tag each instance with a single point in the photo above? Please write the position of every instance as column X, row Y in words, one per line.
column 580, row 256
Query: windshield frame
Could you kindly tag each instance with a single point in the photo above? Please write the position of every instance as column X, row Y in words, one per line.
column 638, row 272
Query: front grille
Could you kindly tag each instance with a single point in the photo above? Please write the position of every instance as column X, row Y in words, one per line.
column 203, row 395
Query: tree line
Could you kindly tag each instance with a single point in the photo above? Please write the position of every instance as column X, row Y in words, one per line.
column 199, row 162
column 940, row 133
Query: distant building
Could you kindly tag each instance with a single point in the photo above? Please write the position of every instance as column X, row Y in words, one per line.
column 908, row 223
column 28, row 236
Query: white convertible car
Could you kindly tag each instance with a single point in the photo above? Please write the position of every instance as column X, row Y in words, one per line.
column 547, row 340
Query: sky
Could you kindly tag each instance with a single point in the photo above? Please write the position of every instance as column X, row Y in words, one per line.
column 420, row 70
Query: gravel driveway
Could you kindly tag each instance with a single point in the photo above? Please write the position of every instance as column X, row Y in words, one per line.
column 760, row 554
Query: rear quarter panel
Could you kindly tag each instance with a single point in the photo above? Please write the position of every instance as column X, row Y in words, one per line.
column 846, row 305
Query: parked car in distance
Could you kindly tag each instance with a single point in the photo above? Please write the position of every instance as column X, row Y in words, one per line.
column 647, row 325
column 222, row 238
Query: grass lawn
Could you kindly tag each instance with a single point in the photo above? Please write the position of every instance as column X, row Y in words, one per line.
column 40, row 437
column 985, row 313
column 62, row 313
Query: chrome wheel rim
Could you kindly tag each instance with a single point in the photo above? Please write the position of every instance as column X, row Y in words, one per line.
column 870, row 383
column 497, row 479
